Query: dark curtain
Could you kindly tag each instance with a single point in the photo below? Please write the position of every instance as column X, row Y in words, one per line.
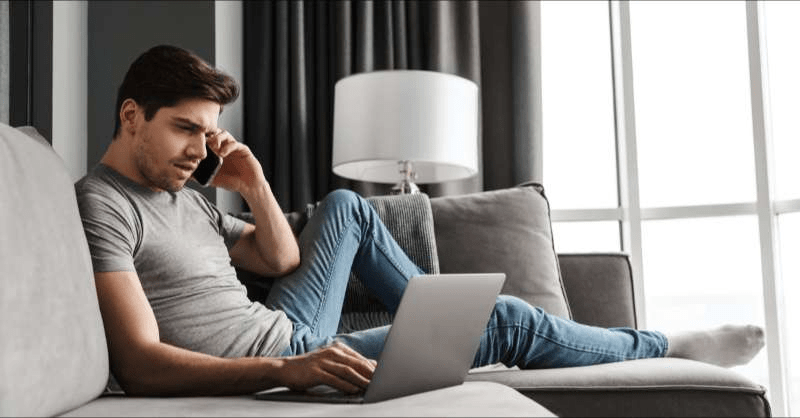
column 295, row 51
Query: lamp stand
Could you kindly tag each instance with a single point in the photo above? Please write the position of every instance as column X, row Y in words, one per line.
column 406, row 185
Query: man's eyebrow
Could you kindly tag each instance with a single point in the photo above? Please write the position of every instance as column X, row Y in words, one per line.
column 191, row 124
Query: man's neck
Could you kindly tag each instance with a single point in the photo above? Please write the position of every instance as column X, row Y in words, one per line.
column 118, row 157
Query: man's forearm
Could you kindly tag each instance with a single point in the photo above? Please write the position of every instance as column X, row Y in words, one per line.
column 165, row 370
column 274, row 238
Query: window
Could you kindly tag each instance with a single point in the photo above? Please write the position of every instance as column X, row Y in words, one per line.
column 682, row 76
column 578, row 106
column 579, row 237
column 789, row 229
column 694, row 135
column 702, row 273
column 692, row 99
column 782, row 33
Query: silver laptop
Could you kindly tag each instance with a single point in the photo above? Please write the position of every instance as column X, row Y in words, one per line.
column 431, row 344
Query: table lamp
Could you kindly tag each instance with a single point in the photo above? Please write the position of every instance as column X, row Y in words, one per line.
column 405, row 126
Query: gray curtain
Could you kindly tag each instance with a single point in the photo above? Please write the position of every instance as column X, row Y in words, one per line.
column 295, row 51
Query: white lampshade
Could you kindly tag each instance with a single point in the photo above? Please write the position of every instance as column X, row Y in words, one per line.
column 385, row 117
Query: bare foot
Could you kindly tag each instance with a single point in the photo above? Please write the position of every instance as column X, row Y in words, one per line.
column 726, row 346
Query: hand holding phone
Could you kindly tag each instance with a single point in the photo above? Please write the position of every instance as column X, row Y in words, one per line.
column 208, row 168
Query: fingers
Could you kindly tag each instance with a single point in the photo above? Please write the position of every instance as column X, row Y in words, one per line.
column 336, row 365
column 215, row 139
column 338, row 383
column 363, row 365
column 345, row 368
column 240, row 172
column 344, row 378
column 223, row 143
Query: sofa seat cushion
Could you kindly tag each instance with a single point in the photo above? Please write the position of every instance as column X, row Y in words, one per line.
column 471, row 399
column 650, row 387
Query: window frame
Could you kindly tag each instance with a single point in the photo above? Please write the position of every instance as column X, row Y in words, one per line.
column 630, row 215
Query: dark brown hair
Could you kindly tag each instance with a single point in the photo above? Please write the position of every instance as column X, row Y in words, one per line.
column 165, row 75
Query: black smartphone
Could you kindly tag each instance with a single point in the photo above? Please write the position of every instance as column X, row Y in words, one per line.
column 207, row 169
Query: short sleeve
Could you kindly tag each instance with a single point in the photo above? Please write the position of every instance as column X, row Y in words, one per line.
column 228, row 226
column 231, row 229
column 110, row 232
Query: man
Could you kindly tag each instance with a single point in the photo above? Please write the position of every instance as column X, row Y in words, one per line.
column 177, row 320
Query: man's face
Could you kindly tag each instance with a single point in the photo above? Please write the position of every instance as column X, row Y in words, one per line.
column 169, row 146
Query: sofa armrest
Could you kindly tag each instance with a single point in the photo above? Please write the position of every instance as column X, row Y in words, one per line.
column 599, row 288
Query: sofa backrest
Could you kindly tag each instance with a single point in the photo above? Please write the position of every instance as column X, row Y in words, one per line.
column 53, row 354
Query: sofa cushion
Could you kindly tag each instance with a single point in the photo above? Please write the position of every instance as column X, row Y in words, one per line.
column 53, row 353
column 506, row 231
column 651, row 387
column 472, row 399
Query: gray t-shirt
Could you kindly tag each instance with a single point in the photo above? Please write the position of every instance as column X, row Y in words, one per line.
column 178, row 245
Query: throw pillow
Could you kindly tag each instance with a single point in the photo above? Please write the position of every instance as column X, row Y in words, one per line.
column 505, row 231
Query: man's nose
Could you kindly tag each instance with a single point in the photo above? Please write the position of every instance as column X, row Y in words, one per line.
column 197, row 149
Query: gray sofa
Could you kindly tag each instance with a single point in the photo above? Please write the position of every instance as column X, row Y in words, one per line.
column 53, row 356
column 54, row 361
column 509, row 230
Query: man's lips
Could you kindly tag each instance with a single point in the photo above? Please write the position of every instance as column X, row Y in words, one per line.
column 186, row 167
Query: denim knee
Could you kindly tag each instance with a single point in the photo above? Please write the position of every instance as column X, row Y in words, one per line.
column 343, row 199
column 513, row 311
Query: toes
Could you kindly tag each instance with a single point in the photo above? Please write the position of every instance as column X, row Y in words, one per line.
column 758, row 331
column 756, row 335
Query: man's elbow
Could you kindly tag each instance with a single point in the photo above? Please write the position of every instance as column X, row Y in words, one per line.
column 137, row 372
column 286, row 264
column 136, row 388
column 134, row 381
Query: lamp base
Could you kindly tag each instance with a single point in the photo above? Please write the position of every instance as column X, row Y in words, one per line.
column 405, row 187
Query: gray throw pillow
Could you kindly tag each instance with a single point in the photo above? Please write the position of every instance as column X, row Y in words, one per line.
column 507, row 231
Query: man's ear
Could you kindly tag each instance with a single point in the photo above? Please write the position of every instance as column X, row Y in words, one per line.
column 127, row 116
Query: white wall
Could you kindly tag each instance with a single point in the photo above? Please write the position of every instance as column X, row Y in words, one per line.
column 70, row 85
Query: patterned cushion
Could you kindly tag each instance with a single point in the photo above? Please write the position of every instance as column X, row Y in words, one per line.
column 410, row 221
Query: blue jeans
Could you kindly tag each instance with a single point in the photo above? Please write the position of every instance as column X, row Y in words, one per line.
column 346, row 233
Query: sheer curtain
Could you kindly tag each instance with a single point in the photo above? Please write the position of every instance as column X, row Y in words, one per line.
column 295, row 51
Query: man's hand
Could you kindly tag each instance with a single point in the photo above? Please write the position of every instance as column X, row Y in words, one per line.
column 240, row 171
column 337, row 365
column 269, row 248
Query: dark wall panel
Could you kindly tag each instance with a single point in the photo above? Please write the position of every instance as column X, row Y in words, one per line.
column 4, row 52
column 119, row 31
column 31, row 65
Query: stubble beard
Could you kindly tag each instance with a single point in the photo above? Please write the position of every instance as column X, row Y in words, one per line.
column 149, row 169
